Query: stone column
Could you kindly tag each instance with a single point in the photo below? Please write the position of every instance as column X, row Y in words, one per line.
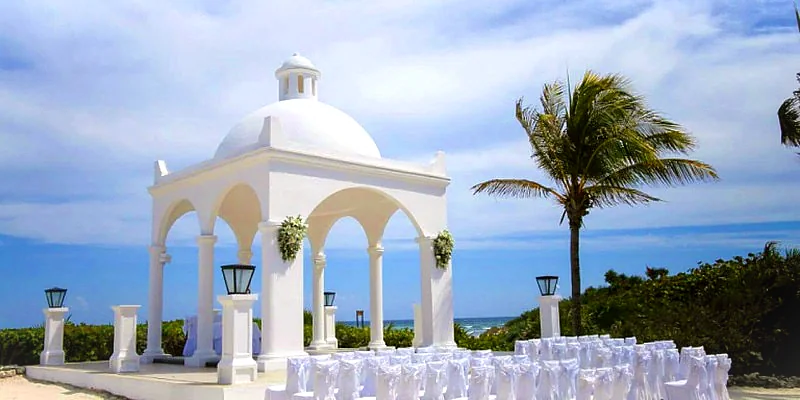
column 205, row 304
column 318, row 300
column 155, row 305
column 437, row 298
column 53, row 352
column 330, row 327
column 125, row 358
column 376, row 296
column 417, row 342
column 549, row 316
column 281, row 302
column 245, row 256
column 236, row 364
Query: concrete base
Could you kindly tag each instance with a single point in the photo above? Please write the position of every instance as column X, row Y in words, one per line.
column 123, row 364
column 236, row 372
column 148, row 357
column 199, row 359
column 51, row 358
column 275, row 362
column 156, row 381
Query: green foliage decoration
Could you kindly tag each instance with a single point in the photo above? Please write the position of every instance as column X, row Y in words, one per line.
column 443, row 248
column 290, row 237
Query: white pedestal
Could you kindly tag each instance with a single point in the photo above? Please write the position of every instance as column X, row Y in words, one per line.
column 53, row 352
column 548, row 313
column 237, row 364
column 124, row 358
column 417, row 342
column 330, row 327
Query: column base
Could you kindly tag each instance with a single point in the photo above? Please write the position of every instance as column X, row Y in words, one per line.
column 333, row 343
column 319, row 345
column 446, row 345
column 276, row 362
column 124, row 363
column 52, row 358
column 236, row 371
column 200, row 358
column 149, row 355
column 377, row 345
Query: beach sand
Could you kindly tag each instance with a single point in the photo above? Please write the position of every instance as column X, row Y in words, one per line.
column 21, row 388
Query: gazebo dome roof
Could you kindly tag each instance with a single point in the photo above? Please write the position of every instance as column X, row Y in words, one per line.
column 307, row 122
column 303, row 119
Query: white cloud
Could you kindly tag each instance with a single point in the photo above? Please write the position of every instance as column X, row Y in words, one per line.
column 89, row 98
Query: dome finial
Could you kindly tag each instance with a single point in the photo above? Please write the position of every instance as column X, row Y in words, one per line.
column 297, row 78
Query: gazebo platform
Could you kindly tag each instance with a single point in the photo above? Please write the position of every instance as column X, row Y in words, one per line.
column 156, row 381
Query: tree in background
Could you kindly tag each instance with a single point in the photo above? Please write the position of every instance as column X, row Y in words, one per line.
column 597, row 145
column 789, row 111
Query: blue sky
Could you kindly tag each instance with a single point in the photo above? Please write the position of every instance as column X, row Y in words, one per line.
column 92, row 93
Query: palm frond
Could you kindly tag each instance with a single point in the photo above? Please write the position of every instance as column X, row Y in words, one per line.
column 515, row 188
column 797, row 16
column 665, row 171
column 610, row 195
column 789, row 120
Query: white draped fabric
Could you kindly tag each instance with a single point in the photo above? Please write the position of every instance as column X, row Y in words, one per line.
column 604, row 369
column 190, row 330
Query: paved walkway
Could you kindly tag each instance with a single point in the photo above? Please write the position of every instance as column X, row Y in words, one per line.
column 738, row 393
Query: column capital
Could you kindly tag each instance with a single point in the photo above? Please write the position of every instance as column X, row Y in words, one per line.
column 206, row 239
column 375, row 249
column 268, row 226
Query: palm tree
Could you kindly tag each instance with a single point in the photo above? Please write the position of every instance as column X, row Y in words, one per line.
column 789, row 111
column 597, row 145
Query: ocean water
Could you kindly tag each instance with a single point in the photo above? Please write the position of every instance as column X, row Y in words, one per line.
column 473, row 326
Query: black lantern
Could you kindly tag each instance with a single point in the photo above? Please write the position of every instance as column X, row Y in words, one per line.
column 55, row 297
column 329, row 296
column 547, row 284
column 237, row 278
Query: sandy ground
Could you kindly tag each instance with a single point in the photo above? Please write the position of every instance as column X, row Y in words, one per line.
column 21, row 388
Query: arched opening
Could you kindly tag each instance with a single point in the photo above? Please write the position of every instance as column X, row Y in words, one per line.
column 301, row 84
column 353, row 271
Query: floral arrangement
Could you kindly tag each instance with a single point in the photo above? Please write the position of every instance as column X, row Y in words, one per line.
column 290, row 237
column 443, row 248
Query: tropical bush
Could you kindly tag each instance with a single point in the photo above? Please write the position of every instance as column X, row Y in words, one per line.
column 745, row 307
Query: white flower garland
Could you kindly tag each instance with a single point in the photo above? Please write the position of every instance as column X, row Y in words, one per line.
column 290, row 237
column 443, row 248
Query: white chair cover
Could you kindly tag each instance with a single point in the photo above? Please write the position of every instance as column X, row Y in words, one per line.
column 435, row 380
column 457, row 371
column 311, row 374
column 687, row 389
column 639, row 386
column 190, row 330
column 527, row 381
column 569, row 378
column 521, row 359
column 481, row 361
column 604, row 385
column 586, row 383
column 449, row 356
column 297, row 374
column 349, row 380
column 410, row 381
column 558, row 351
column 672, row 365
column 385, row 353
column 480, row 383
column 387, row 379
column 482, row 353
column 623, row 378
column 325, row 373
column 571, row 339
column 603, row 357
column 370, row 374
column 421, row 357
column 399, row 360
column 721, row 381
column 573, row 350
column 506, row 378
column 345, row 355
column 522, row 347
column 549, row 377
column 630, row 340
column 405, row 351
column 655, row 374
column 502, row 360
column 427, row 349
column 535, row 349
column 710, row 388
column 458, row 354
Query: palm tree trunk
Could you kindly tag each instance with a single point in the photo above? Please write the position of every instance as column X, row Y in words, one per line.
column 575, row 269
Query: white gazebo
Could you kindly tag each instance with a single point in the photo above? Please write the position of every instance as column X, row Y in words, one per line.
column 299, row 156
